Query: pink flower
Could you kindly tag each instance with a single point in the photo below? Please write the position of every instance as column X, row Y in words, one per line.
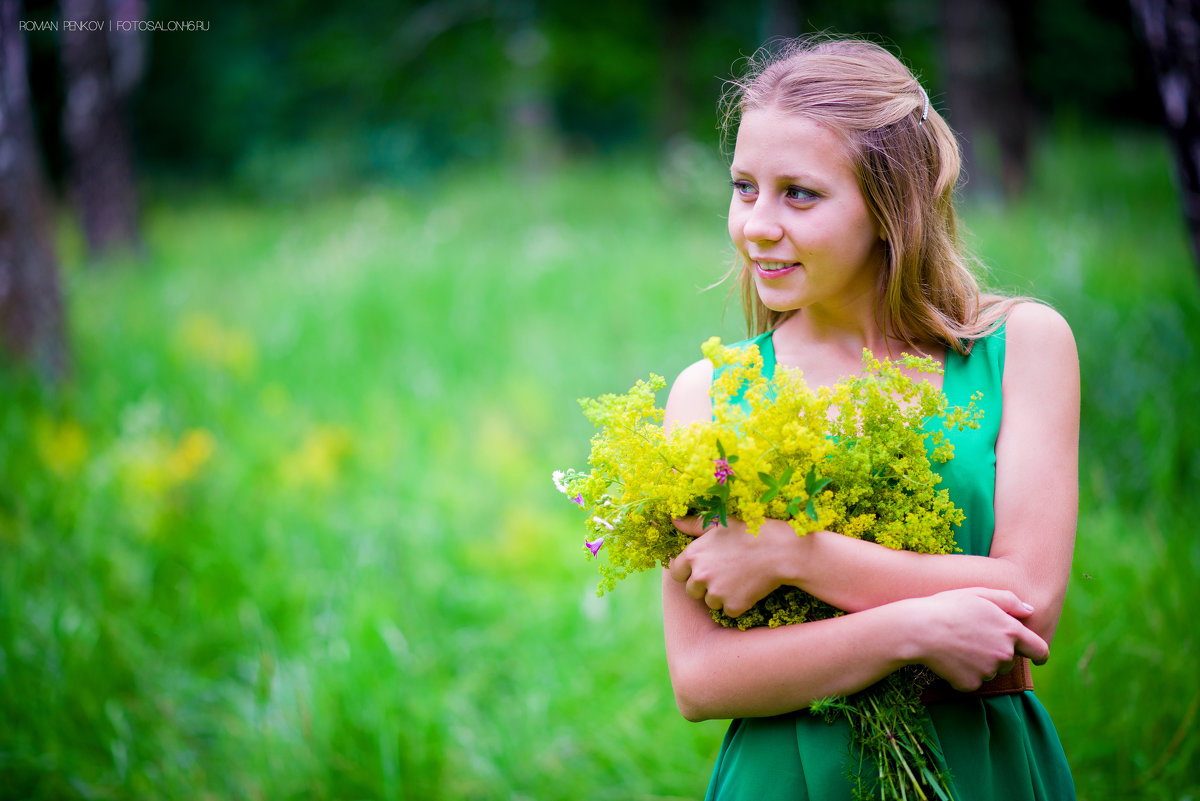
column 594, row 545
column 578, row 499
column 723, row 471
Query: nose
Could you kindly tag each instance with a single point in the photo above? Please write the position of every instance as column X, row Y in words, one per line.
column 762, row 222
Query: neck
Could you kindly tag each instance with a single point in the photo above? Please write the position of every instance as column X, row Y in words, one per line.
column 852, row 327
column 815, row 329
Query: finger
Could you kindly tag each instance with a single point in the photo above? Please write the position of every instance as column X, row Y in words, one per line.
column 692, row 526
column 734, row 610
column 680, row 569
column 1006, row 600
column 698, row 590
column 968, row 686
column 1031, row 645
column 713, row 602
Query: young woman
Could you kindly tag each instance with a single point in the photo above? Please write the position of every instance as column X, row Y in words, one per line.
column 843, row 219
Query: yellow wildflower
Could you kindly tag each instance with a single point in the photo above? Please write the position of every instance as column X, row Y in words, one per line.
column 317, row 461
column 61, row 446
column 193, row 451
column 204, row 338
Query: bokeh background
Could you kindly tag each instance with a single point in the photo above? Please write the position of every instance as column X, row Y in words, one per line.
column 315, row 288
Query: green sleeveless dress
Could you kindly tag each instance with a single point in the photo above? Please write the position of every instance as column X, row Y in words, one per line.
column 999, row 748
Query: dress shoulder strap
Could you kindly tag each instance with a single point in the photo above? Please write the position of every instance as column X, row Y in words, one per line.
column 766, row 348
column 982, row 370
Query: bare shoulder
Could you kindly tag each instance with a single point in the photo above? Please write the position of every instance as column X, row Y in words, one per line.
column 1040, row 354
column 1037, row 332
column 1037, row 320
column 689, row 401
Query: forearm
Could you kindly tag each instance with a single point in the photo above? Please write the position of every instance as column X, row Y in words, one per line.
column 855, row 575
column 963, row 635
column 722, row 672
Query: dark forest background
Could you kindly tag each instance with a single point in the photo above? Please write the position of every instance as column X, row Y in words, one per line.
column 385, row 92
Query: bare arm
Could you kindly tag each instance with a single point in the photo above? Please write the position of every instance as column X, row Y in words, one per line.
column 1036, row 506
column 964, row 635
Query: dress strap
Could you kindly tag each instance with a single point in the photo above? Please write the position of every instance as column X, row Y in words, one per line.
column 766, row 349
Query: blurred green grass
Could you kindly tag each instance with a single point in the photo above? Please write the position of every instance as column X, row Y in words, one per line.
column 289, row 531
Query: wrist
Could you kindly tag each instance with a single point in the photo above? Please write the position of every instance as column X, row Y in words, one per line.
column 790, row 554
column 911, row 645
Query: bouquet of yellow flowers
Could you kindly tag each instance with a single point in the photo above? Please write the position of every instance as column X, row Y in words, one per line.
column 854, row 458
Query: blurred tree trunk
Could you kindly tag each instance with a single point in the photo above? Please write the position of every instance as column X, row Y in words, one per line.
column 676, row 23
column 989, row 108
column 532, row 133
column 31, row 323
column 100, row 70
column 1172, row 34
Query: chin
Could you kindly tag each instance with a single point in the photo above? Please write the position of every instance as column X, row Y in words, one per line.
column 778, row 301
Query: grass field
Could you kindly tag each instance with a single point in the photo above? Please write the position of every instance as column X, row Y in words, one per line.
column 289, row 530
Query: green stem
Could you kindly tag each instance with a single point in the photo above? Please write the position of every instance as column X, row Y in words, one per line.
column 908, row 770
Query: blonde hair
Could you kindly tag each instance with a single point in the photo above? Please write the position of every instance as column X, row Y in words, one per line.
column 907, row 162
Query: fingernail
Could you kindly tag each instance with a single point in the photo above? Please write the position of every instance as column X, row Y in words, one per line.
column 1026, row 607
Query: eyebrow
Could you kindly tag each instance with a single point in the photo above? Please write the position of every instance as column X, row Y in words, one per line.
column 801, row 178
column 735, row 167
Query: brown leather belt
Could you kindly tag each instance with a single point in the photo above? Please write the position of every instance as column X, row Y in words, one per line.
column 1017, row 680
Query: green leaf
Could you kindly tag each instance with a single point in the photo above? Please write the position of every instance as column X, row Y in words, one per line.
column 812, row 512
column 773, row 487
column 714, row 510
column 813, row 484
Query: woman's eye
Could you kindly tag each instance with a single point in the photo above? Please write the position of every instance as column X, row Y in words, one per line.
column 744, row 188
column 798, row 193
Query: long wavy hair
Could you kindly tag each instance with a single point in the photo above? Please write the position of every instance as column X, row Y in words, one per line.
column 907, row 162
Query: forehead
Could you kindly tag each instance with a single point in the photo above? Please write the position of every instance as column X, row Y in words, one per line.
column 780, row 142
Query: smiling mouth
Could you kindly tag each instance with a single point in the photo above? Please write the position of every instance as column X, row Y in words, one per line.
column 774, row 269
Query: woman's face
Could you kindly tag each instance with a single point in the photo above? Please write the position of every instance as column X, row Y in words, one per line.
column 798, row 217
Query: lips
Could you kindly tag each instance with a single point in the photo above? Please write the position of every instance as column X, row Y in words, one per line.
column 774, row 269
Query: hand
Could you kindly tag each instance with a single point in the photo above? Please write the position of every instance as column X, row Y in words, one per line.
column 729, row 568
column 969, row 636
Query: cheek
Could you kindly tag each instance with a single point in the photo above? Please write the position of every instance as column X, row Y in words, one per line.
column 735, row 224
column 855, row 238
